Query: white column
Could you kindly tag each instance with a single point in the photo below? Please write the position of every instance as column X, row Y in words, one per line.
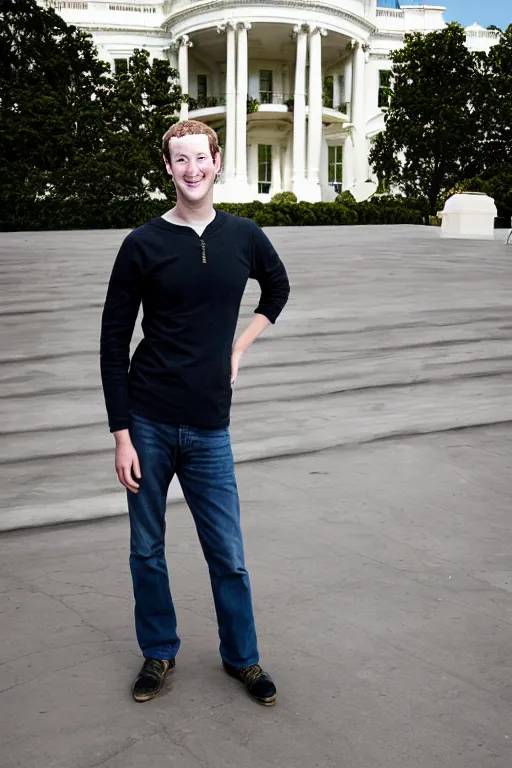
column 215, row 81
column 276, row 169
column 347, row 85
column 253, row 167
column 173, row 56
column 315, row 106
column 185, row 43
column 288, row 165
column 252, row 170
column 241, row 103
column 348, row 164
column 285, row 80
column 336, row 91
column 358, row 113
column 230, row 146
column 299, row 111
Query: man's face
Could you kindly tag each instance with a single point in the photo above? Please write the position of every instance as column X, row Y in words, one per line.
column 192, row 166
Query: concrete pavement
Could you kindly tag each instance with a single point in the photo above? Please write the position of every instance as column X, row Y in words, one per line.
column 388, row 331
column 382, row 580
column 381, row 569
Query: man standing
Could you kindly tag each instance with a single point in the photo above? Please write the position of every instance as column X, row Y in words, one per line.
column 169, row 410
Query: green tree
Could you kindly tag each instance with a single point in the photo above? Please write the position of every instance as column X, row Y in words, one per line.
column 495, row 115
column 76, row 141
column 495, row 104
column 147, row 101
column 432, row 125
column 127, row 164
column 53, row 94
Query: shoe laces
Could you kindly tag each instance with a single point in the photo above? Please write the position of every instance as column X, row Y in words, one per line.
column 154, row 667
column 250, row 674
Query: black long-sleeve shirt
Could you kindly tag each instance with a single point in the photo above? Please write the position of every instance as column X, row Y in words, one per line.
column 190, row 288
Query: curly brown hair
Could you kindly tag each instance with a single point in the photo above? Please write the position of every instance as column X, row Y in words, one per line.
column 189, row 128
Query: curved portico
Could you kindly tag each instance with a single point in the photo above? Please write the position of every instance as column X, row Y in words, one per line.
column 279, row 89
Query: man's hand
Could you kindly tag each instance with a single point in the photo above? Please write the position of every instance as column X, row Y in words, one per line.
column 236, row 356
column 126, row 461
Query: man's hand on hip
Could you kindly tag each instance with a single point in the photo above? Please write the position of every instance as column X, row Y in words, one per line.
column 127, row 461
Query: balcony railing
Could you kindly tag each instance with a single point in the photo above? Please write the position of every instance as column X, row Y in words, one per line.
column 327, row 101
column 205, row 102
column 391, row 13
column 60, row 5
column 481, row 34
column 148, row 12
column 272, row 97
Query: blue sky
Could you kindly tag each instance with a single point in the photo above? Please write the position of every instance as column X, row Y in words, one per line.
column 486, row 12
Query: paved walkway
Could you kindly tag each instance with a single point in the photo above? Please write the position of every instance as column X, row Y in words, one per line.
column 381, row 569
column 382, row 579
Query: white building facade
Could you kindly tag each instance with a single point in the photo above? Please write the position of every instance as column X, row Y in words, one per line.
column 294, row 88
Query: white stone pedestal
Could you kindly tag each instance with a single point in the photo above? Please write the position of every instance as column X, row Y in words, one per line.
column 469, row 215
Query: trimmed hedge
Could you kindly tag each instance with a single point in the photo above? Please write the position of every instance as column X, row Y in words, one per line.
column 379, row 210
column 52, row 214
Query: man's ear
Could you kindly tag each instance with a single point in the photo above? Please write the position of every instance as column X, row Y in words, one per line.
column 167, row 165
column 217, row 162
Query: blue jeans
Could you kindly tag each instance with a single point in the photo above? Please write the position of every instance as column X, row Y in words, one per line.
column 203, row 462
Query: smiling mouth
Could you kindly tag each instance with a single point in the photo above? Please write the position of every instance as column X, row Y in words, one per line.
column 193, row 184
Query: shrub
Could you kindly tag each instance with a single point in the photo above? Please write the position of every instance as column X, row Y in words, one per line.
column 284, row 197
column 336, row 214
column 387, row 209
column 347, row 198
column 245, row 210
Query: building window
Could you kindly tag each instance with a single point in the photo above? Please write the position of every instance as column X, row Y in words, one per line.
column 384, row 86
column 202, row 87
column 336, row 168
column 264, row 168
column 120, row 66
column 266, row 86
